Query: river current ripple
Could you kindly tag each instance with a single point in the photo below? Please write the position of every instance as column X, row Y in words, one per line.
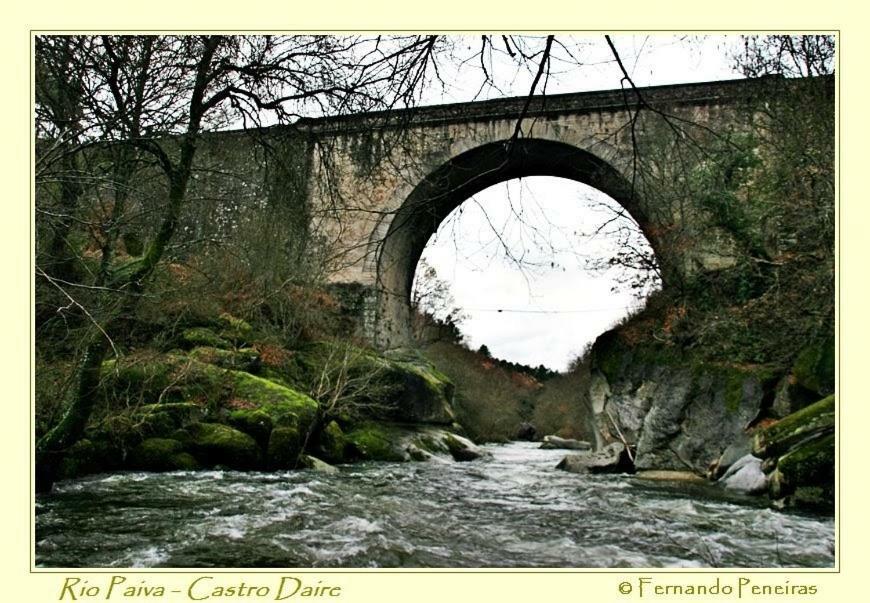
column 512, row 510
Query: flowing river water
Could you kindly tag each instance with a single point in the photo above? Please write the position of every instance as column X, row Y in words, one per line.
column 511, row 510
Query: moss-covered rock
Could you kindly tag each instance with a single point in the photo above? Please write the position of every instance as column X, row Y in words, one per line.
column 285, row 447
column 810, row 464
column 814, row 367
column 378, row 442
column 245, row 359
column 161, row 454
column 127, row 428
column 462, row 449
column 235, row 329
column 424, row 394
column 216, row 444
column 174, row 377
column 806, row 423
column 87, row 456
column 279, row 402
column 203, row 336
column 164, row 378
column 181, row 413
column 403, row 387
column 253, row 422
column 332, row 443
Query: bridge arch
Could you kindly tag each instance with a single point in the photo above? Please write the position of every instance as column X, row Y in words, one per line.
column 455, row 181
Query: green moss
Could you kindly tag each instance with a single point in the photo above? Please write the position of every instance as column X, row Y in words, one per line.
column 796, row 427
column 165, row 378
column 161, row 454
column 177, row 378
column 332, row 443
column 240, row 360
column 202, row 336
column 814, row 367
column 255, row 423
column 137, row 373
column 233, row 326
column 376, row 442
column 216, row 444
column 284, row 448
column 734, row 391
column 184, row 461
column 180, row 412
column 87, row 456
column 811, row 464
column 273, row 399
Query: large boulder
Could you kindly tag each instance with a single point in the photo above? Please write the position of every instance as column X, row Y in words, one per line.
column 161, row 454
column 402, row 443
column 745, row 475
column 738, row 449
column 680, row 412
column 254, row 422
column 176, row 377
column 378, row 442
column 332, row 443
column 805, row 475
column 87, row 456
column 612, row 458
column 400, row 386
column 216, row 444
column 285, row 447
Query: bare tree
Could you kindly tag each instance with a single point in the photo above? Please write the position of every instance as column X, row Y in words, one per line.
column 152, row 98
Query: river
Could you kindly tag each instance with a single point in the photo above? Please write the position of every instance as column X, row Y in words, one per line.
column 512, row 510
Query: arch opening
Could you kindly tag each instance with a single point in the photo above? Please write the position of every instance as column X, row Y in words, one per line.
column 530, row 272
column 460, row 179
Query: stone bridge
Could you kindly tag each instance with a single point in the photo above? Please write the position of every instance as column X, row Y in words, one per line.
column 377, row 185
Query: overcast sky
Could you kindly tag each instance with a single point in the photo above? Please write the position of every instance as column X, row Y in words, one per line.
column 549, row 307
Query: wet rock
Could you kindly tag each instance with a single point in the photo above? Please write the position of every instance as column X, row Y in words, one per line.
column 809, row 467
column 418, row 454
column 736, row 451
column 315, row 464
column 332, row 443
column 253, row 422
column 402, row 442
column 86, row 456
column 745, row 475
column 552, row 442
column 161, row 454
column 217, row 444
column 378, row 442
column 284, row 448
column 613, row 458
column 463, row 449
column 526, row 432
column 679, row 413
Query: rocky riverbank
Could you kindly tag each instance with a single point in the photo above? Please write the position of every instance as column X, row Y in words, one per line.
column 219, row 398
